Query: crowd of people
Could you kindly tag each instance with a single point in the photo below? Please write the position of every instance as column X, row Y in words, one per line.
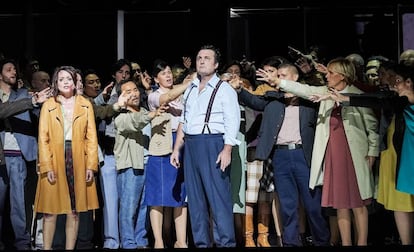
column 200, row 154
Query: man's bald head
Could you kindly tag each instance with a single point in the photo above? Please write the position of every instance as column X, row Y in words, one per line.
column 40, row 80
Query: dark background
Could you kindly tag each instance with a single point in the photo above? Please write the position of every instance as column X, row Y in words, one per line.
column 84, row 33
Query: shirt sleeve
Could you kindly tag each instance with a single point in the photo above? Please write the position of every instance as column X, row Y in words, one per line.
column 231, row 111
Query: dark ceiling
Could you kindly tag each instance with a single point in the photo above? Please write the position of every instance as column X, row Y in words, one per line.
column 38, row 36
column 41, row 6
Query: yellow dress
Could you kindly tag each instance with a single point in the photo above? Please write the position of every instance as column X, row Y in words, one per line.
column 387, row 194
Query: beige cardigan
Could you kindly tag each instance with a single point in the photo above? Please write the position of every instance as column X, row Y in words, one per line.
column 161, row 135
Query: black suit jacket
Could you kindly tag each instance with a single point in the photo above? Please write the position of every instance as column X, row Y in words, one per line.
column 273, row 106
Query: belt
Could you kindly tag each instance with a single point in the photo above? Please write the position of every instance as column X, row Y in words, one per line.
column 288, row 146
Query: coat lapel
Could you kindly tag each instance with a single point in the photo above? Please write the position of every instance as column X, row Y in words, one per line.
column 80, row 108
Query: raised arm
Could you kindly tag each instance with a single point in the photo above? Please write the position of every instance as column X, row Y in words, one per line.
column 177, row 90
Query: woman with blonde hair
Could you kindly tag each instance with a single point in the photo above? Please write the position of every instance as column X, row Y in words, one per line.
column 344, row 151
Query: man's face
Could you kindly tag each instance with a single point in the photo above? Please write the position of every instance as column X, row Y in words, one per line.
column 124, row 73
column 40, row 81
column 206, row 63
column 92, row 85
column 372, row 76
column 34, row 66
column 136, row 70
column 131, row 90
column 285, row 74
column 9, row 74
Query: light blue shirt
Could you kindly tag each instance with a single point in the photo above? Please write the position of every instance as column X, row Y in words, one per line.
column 225, row 112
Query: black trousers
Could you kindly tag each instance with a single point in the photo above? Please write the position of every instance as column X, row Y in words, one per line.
column 85, row 232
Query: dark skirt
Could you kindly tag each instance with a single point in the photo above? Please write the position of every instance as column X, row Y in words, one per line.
column 69, row 173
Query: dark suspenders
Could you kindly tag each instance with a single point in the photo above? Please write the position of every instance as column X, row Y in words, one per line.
column 210, row 105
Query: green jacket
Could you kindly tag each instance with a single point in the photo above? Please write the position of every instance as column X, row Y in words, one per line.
column 129, row 139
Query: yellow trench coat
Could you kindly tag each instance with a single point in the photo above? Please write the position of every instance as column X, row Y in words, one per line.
column 54, row 198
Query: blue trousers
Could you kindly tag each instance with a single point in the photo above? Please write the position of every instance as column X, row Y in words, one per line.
column 130, row 191
column 209, row 192
column 108, row 175
column 142, row 223
column 13, row 177
column 291, row 177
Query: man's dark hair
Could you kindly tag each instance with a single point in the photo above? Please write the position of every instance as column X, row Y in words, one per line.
column 217, row 54
column 122, row 82
column 118, row 64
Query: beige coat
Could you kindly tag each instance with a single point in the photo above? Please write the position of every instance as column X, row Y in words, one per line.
column 360, row 126
column 54, row 198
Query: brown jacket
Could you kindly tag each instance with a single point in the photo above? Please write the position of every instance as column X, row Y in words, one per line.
column 54, row 198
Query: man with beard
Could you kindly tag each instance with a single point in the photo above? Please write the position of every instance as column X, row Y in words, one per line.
column 20, row 146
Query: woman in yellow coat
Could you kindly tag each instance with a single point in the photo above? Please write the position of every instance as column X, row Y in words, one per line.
column 68, row 157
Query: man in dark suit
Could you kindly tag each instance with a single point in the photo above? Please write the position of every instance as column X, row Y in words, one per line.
column 286, row 136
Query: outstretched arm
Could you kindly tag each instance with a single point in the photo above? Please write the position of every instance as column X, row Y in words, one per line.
column 10, row 108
